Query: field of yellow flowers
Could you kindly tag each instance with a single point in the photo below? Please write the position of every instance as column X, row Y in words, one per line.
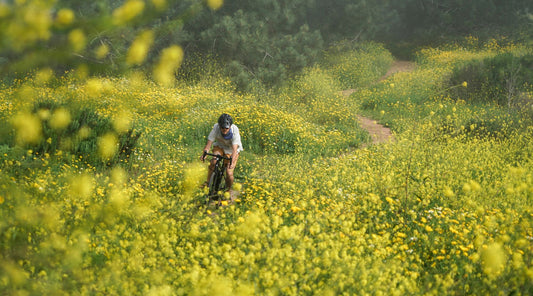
column 99, row 187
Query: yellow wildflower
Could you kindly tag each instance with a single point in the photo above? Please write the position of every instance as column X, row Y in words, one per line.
column 494, row 258
column 60, row 119
column 195, row 174
column 107, row 146
column 101, row 51
column 122, row 122
column 43, row 76
column 64, row 17
column 28, row 128
column 237, row 186
column 81, row 186
column 169, row 62
column 448, row 192
column 128, row 11
column 77, row 40
column 159, row 4
column 215, row 4
column 139, row 48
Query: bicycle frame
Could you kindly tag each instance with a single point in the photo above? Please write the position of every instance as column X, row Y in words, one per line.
column 217, row 182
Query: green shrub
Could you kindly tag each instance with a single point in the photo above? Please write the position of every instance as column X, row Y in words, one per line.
column 76, row 130
column 499, row 79
column 357, row 64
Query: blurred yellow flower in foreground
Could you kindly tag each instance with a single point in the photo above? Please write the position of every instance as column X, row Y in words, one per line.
column 107, row 146
column 195, row 174
column 4, row 9
column 169, row 62
column 43, row 76
column 101, row 51
column 227, row 195
column 27, row 127
column 493, row 257
column 237, row 186
column 140, row 47
column 448, row 192
column 64, row 17
column 81, row 186
column 44, row 114
column 122, row 122
column 94, row 86
column 118, row 176
column 128, row 11
column 84, row 132
column 159, row 4
column 60, row 119
column 215, row 4
column 77, row 40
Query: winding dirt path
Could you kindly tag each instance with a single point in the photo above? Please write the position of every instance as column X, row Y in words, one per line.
column 379, row 133
column 399, row 66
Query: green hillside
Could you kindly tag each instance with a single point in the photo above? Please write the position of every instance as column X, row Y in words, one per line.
column 446, row 208
column 105, row 109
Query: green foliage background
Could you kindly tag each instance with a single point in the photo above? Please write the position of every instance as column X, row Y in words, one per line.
column 260, row 41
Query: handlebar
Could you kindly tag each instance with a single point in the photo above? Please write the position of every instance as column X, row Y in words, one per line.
column 217, row 156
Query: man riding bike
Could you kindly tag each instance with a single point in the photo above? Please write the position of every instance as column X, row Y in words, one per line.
column 226, row 140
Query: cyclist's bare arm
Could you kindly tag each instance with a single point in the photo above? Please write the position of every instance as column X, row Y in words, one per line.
column 207, row 148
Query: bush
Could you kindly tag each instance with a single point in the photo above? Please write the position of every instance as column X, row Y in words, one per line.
column 499, row 79
column 266, row 129
column 357, row 64
column 80, row 131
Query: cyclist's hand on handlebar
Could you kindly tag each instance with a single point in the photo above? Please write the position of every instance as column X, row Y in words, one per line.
column 204, row 154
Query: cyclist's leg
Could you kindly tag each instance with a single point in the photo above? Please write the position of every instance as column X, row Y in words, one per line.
column 229, row 173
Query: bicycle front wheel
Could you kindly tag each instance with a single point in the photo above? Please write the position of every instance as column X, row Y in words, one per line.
column 214, row 184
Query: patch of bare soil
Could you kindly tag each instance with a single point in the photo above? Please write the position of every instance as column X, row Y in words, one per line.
column 379, row 133
column 399, row 66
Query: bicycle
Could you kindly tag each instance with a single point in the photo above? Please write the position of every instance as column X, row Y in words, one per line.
column 217, row 182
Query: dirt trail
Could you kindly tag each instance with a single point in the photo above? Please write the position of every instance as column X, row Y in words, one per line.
column 399, row 66
column 378, row 132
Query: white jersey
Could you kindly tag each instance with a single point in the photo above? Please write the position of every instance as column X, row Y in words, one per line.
column 227, row 144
